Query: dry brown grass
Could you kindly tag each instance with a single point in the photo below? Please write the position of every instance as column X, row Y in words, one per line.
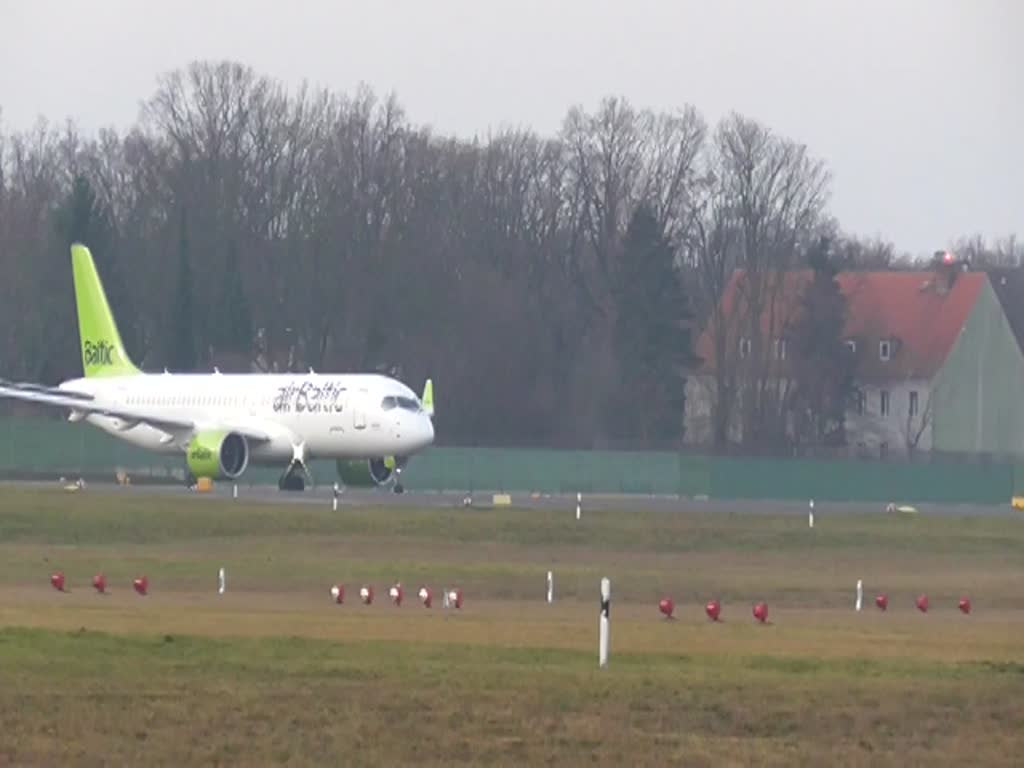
column 943, row 635
column 273, row 673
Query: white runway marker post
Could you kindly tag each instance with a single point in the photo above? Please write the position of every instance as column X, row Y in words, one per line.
column 606, row 602
column 579, row 504
column 222, row 583
column 860, row 594
column 234, row 491
column 810, row 515
column 551, row 587
column 334, row 502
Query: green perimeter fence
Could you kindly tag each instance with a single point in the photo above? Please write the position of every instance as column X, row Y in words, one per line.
column 48, row 449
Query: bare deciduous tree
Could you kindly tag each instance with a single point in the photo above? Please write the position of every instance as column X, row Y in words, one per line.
column 762, row 199
column 364, row 241
column 982, row 254
column 917, row 422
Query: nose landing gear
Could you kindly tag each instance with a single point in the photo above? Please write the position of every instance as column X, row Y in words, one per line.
column 400, row 462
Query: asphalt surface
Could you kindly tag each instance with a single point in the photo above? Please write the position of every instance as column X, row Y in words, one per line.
column 323, row 495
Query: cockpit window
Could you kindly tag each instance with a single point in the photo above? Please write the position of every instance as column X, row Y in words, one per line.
column 400, row 401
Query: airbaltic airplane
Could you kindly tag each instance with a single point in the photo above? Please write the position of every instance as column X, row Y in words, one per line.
column 221, row 423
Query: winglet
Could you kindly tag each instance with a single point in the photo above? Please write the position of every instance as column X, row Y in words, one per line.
column 428, row 398
column 103, row 353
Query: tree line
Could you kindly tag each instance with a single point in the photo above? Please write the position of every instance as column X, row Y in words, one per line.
column 551, row 286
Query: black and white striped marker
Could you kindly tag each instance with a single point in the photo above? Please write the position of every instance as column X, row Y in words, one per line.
column 606, row 603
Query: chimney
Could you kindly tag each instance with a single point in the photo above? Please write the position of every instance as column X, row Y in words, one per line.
column 946, row 269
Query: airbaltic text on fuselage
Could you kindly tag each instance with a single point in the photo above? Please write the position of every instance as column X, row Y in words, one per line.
column 99, row 353
column 309, row 397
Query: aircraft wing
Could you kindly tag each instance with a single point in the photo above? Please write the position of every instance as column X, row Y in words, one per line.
column 80, row 403
column 17, row 386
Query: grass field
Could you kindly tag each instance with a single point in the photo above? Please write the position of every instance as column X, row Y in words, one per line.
column 273, row 673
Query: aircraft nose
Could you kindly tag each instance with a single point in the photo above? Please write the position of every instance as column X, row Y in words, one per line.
column 415, row 433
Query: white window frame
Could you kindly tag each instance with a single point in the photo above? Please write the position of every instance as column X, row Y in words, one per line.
column 913, row 404
column 779, row 348
column 884, row 350
column 852, row 344
column 744, row 347
column 884, row 404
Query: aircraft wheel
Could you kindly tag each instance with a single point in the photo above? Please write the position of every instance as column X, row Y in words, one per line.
column 292, row 483
column 399, row 488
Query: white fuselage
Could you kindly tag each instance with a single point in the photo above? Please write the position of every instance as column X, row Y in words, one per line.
column 332, row 416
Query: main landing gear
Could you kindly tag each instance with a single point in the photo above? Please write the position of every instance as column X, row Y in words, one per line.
column 291, row 480
column 297, row 474
column 295, row 477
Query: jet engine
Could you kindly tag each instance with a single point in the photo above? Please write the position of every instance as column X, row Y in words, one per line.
column 367, row 472
column 218, row 455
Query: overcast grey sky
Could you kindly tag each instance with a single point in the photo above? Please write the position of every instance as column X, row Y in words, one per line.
column 916, row 105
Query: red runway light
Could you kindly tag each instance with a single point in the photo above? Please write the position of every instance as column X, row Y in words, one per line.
column 57, row 581
column 713, row 610
column 761, row 612
column 965, row 605
column 396, row 593
column 922, row 603
column 141, row 585
column 99, row 583
column 882, row 601
column 667, row 607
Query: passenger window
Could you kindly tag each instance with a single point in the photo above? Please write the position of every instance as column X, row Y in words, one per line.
column 388, row 403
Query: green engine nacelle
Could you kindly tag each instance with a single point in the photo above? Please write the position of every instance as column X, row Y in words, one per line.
column 218, row 454
column 366, row 472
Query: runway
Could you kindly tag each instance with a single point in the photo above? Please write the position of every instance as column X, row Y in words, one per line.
column 479, row 500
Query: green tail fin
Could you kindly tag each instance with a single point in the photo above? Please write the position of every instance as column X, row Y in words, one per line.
column 428, row 398
column 103, row 353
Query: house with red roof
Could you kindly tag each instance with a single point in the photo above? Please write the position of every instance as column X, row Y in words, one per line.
column 936, row 363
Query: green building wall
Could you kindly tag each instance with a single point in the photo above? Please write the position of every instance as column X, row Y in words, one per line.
column 978, row 395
